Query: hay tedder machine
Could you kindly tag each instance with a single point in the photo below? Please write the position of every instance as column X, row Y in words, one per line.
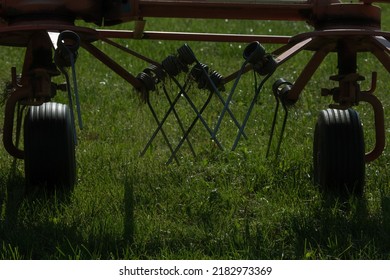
column 48, row 31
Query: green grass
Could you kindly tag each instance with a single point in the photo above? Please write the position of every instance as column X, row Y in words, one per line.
column 219, row 205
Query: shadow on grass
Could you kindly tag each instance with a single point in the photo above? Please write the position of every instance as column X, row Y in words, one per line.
column 332, row 230
column 32, row 225
column 343, row 231
column 22, row 234
column 129, row 226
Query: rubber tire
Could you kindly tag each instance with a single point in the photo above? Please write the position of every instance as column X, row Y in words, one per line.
column 49, row 146
column 338, row 153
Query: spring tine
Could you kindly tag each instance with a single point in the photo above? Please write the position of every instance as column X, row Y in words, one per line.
column 241, row 130
column 197, row 113
column 19, row 121
column 190, row 128
column 225, row 109
column 179, row 122
column 227, row 102
column 162, row 130
column 70, row 100
column 76, row 93
column 283, row 129
column 162, row 121
column 273, row 126
column 216, row 91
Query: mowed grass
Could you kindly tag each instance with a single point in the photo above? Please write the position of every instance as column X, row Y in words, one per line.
column 219, row 205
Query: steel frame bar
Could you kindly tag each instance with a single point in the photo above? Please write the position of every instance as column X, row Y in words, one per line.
column 192, row 36
column 110, row 63
column 214, row 9
column 307, row 73
column 129, row 51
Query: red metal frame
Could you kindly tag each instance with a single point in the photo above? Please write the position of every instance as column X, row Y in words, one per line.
column 346, row 29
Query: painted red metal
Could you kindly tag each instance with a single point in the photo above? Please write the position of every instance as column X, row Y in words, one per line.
column 343, row 28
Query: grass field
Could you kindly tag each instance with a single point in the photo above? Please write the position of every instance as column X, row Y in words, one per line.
column 219, row 205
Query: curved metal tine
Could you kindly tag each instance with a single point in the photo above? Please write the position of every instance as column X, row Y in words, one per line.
column 198, row 114
column 185, row 136
column 227, row 102
column 162, row 130
column 70, row 100
column 76, row 92
column 179, row 122
column 255, row 97
column 19, row 121
column 216, row 91
column 273, row 126
column 177, row 98
column 72, row 57
column 283, row 129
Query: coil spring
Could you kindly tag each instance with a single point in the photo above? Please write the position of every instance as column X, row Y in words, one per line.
column 147, row 80
column 174, row 66
column 203, row 80
column 217, row 79
column 148, row 85
column 199, row 75
column 267, row 66
column 68, row 44
column 186, row 55
column 281, row 88
column 262, row 62
column 156, row 72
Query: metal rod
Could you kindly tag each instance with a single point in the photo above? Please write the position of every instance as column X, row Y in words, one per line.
column 179, row 122
column 162, row 130
column 76, row 91
column 70, row 100
column 129, row 51
column 193, row 36
column 216, row 91
column 282, row 129
column 114, row 66
column 199, row 115
column 380, row 133
column 271, row 135
column 242, row 127
column 185, row 136
column 228, row 100
column 163, row 120
column 307, row 73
